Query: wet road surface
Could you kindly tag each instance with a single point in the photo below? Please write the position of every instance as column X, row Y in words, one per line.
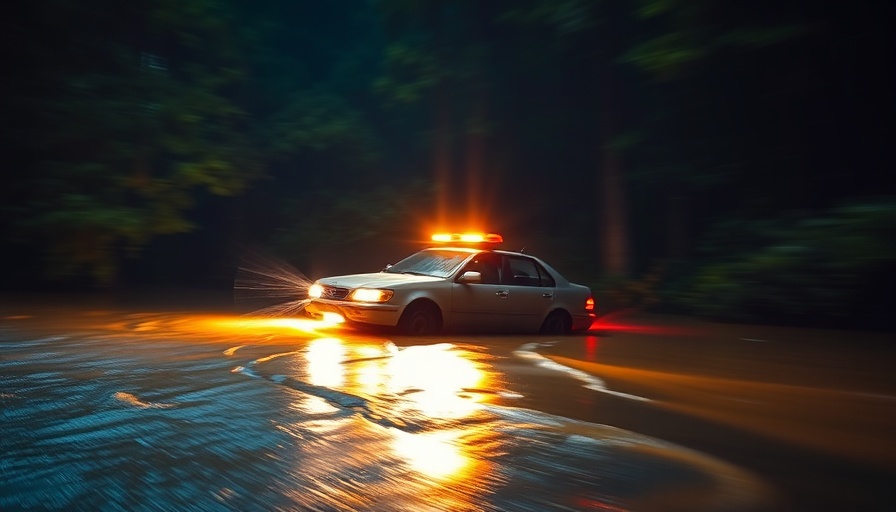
column 147, row 409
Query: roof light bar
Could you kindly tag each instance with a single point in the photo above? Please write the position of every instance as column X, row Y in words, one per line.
column 468, row 238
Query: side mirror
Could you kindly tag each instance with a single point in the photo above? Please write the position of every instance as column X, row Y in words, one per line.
column 387, row 267
column 470, row 277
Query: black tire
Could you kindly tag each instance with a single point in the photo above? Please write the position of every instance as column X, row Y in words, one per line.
column 420, row 319
column 558, row 322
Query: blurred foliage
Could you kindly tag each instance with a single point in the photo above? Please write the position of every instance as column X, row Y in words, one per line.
column 835, row 267
column 344, row 218
column 354, row 231
column 143, row 136
column 133, row 110
column 318, row 121
column 696, row 29
column 120, row 134
column 621, row 293
column 410, row 73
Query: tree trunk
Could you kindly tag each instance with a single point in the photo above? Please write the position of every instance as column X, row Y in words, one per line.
column 676, row 226
column 614, row 215
column 442, row 128
column 474, row 152
column 613, row 206
column 442, row 161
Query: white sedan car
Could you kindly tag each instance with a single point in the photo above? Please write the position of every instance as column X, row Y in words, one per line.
column 458, row 288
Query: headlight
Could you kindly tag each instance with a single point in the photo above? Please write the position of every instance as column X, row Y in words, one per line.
column 370, row 295
column 315, row 291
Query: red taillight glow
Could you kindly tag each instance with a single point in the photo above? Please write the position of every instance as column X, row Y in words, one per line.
column 589, row 304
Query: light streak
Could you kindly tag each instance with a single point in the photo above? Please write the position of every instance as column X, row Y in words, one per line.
column 263, row 278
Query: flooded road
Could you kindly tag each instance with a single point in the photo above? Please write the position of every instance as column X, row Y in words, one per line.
column 107, row 408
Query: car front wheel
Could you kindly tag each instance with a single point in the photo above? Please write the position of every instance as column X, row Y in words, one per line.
column 420, row 319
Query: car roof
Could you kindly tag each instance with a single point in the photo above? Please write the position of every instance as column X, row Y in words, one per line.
column 473, row 250
column 476, row 250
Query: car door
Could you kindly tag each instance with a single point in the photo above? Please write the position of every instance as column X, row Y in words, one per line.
column 530, row 294
column 480, row 305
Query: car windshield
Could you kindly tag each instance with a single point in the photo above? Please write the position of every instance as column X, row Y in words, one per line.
column 435, row 263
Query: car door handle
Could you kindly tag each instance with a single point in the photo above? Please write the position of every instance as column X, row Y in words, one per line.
column 548, row 295
column 503, row 294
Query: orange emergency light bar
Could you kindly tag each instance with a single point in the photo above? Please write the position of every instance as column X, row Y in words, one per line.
column 468, row 238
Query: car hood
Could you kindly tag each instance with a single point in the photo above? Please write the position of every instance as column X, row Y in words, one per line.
column 376, row 280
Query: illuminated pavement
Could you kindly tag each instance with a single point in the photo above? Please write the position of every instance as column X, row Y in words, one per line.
column 150, row 410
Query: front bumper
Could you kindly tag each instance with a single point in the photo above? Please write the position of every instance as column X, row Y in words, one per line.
column 360, row 312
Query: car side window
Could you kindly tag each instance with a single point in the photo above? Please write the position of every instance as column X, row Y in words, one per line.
column 524, row 272
column 488, row 265
column 544, row 278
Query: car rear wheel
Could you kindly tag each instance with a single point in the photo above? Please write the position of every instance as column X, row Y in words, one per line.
column 558, row 322
column 420, row 319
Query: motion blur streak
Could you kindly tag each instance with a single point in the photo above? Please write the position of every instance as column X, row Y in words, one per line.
column 219, row 324
column 269, row 286
column 528, row 351
column 104, row 409
column 612, row 322
column 828, row 420
column 430, row 389
column 130, row 399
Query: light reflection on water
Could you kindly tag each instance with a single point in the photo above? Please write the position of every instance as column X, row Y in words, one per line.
column 431, row 380
column 440, row 375
column 331, row 423
column 436, row 454
column 325, row 356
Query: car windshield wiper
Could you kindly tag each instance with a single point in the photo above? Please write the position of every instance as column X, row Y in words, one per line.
column 415, row 273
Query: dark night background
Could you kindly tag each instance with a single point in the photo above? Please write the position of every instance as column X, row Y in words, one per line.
column 727, row 159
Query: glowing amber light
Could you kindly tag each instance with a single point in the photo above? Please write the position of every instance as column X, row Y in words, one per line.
column 228, row 326
column 435, row 454
column 438, row 377
column 328, row 319
column 468, row 238
column 371, row 295
column 325, row 356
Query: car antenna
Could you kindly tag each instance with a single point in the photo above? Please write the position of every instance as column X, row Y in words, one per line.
column 523, row 250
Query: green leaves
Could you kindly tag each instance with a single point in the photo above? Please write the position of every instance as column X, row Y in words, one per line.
column 410, row 73
column 691, row 31
column 831, row 267
column 666, row 55
column 318, row 121
column 126, row 130
column 347, row 217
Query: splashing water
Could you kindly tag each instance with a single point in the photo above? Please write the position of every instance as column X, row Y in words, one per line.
column 270, row 287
